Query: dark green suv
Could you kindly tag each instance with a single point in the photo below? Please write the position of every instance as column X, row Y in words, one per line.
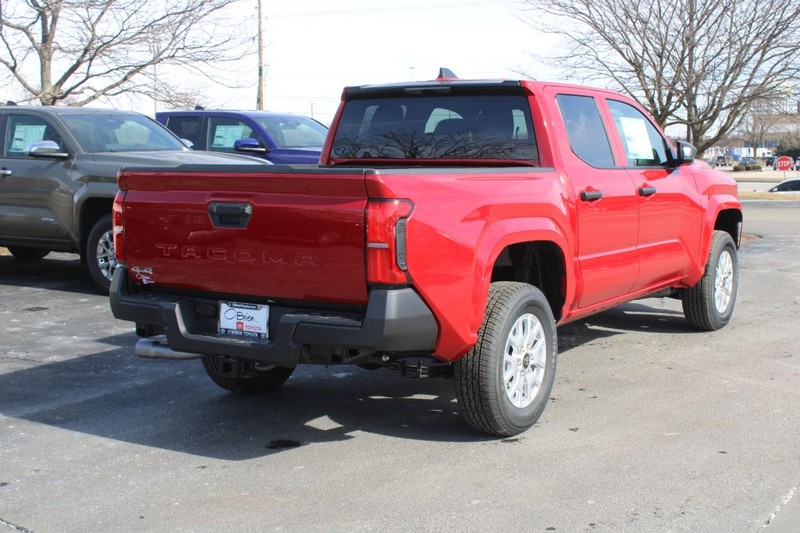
column 58, row 169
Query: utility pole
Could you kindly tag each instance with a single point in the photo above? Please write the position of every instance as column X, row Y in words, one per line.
column 260, row 95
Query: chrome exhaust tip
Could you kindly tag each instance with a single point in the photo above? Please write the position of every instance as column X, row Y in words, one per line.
column 154, row 349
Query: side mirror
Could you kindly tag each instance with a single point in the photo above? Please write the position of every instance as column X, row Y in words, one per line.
column 46, row 149
column 686, row 153
column 187, row 143
column 249, row 146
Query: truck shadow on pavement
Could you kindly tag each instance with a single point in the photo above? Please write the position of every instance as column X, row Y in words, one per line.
column 653, row 315
column 173, row 405
column 57, row 271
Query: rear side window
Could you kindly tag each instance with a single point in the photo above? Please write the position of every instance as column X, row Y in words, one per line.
column 294, row 131
column 644, row 145
column 437, row 127
column 587, row 135
column 23, row 130
column 185, row 128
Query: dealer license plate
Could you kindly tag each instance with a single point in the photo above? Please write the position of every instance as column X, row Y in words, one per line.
column 244, row 320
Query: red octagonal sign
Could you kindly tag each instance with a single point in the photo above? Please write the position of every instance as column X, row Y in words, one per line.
column 784, row 163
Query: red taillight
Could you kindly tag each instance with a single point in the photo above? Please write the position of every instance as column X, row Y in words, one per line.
column 116, row 221
column 386, row 241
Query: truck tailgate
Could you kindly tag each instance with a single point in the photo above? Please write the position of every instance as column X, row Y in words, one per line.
column 277, row 233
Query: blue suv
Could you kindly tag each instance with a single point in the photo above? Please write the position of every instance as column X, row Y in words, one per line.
column 277, row 137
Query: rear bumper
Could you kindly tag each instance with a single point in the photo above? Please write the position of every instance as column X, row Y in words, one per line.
column 396, row 320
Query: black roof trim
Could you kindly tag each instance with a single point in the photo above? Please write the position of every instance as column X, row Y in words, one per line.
column 435, row 87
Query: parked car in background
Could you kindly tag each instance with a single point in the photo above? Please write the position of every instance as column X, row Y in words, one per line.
column 769, row 161
column 278, row 137
column 722, row 161
column 747, row 161
column 790, row 185
column 58, row 177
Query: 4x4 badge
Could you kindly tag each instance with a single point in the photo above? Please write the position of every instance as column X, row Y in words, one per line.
column 143, row 274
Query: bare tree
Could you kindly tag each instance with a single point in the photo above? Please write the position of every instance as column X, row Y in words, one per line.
column 700, row 63
column 790, row 145
column 755, row 125
column 78, row 51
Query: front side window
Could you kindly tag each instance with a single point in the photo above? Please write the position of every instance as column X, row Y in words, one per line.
column 787, row 187
column 587, row 135
column 644, row 145
column 23, row 130
column 120, row 132
column 223, row 132
column 470, row 126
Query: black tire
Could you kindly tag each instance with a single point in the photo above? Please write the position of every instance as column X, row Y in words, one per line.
column 481, row 387
column 27, row 254
column 249, row 377
column 100, row 257
column 708, row 306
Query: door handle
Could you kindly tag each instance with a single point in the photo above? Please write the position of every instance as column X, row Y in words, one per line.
column 647, row 191
column 591, row 196
column 6, row 172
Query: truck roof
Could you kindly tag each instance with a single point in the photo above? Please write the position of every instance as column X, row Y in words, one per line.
column 248, row 112
column 444, row 84
column 66, row 110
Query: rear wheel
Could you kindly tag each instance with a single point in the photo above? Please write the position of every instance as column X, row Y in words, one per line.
column 100, row 256
column 245, row 376
column 708, row 305
column 503, row 383
column 27, row 254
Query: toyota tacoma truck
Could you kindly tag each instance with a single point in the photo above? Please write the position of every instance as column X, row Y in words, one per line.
column 450, row 227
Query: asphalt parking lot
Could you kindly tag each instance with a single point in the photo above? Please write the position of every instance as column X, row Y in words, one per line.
column 651, row 426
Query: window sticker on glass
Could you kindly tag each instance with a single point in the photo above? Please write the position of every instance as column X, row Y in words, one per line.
column 635, row 132
column 224, row 136
column 24, row 135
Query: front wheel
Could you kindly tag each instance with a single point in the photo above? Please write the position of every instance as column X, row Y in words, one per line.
column 708, row 305
column 503, row 383
column 245, row 376
column 100, row 256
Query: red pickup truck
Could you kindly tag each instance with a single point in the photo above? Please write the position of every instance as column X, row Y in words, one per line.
column 450, row 226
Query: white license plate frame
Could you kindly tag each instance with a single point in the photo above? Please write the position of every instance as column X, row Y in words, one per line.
column 243, row 320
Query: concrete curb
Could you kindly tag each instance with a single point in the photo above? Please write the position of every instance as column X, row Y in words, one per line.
column 763, row 176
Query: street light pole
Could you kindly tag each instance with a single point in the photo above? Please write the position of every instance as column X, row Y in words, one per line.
column 260, row 95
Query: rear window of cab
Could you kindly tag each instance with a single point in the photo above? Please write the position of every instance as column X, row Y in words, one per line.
column 483, row 127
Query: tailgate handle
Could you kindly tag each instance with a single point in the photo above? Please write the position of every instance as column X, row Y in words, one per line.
column 229, row 215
